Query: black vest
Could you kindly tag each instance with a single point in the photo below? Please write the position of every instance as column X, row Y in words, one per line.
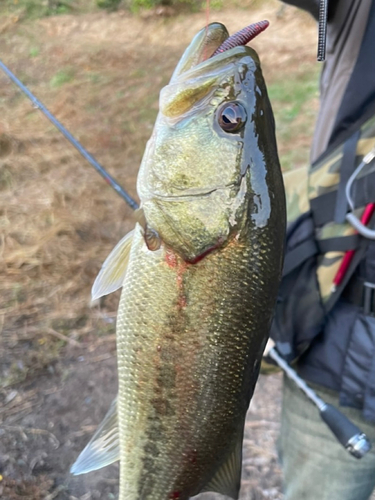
column 342, row 357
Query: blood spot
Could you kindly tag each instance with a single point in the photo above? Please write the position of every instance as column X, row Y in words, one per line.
column 171, row 259
column 175, row 495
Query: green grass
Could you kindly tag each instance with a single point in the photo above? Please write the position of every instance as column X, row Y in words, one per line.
column 95, row 78
column 34, row 9
column 292, row 94
column 34, row 51
column 30, row 9
column 108, row 4
column 61, row 77
column 292, row 100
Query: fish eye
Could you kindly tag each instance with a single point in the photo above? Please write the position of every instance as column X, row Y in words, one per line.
column 232, row 117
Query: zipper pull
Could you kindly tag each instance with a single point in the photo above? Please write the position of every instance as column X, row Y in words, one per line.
column 322, row 30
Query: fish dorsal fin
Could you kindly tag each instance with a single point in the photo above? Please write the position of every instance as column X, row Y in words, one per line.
column 104, row 447
column 112, row 274
column 227, row 479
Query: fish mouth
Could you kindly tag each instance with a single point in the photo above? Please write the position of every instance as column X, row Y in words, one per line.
column 193, row 193
column 214, row 40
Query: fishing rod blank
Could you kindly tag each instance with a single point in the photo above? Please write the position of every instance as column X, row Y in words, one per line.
column 99, row 168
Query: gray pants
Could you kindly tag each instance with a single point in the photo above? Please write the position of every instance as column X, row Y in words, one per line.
column 315, row 466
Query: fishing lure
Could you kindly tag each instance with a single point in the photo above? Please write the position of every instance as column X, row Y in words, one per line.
column 242, row 37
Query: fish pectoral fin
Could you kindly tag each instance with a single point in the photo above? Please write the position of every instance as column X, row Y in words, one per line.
column 139, row 216
column 112, row 274
column 227, row 479
column 104, row 447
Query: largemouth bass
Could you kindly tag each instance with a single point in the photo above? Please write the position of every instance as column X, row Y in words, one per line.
column 200, row 274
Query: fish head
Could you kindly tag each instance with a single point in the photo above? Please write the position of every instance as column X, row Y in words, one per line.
column 210, row 165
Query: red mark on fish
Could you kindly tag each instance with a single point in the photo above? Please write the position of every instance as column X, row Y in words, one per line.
column 174, row 495
column 171, row 259
column 175, row 262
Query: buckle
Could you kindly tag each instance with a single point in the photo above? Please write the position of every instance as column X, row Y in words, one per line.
column 368, row 298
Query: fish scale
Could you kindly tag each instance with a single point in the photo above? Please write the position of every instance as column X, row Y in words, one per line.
column 204, row 351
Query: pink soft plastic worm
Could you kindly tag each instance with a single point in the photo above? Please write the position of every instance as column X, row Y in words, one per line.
column 242, row 37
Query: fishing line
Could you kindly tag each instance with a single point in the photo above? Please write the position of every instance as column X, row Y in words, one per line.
column 99, row 168
column 207, row 13
column 205, row 54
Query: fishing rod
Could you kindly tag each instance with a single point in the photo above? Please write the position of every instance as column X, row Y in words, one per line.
column 348, row 434
column 93, row 162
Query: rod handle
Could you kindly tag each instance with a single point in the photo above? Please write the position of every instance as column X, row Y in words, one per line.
column 352, row 438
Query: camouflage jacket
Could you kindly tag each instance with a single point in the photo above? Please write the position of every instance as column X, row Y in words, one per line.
column 332, row 331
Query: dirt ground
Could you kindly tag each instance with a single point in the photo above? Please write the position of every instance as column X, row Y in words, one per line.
column 100, row 74
column 50, row 420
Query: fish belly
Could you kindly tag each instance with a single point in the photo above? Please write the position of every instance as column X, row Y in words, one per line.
column 189, row 342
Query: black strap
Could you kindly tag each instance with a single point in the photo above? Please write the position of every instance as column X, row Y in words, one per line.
column 323, row 206
column 310, row 247
column 361, row 293
column 339, row 243
column 347, row 168
column 298, row 255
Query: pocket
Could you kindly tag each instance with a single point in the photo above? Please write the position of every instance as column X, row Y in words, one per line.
column 299, row 313
column 358, row 377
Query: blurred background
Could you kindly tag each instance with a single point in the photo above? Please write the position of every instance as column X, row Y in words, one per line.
column 99, row 65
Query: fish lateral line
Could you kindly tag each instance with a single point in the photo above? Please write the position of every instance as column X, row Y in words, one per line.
column 173, row 262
